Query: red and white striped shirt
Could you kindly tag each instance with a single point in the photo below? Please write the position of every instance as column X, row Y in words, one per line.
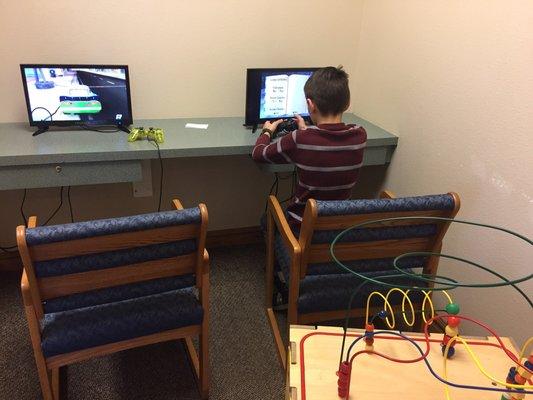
column 327, row 158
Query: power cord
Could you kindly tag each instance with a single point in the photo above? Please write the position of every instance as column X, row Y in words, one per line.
column 58, row 207
column 97, row 129
column 293, row 184
column 22, row 207
column 275, row 183
column 70, row 205
column 48, row 111
column 86, row 127
column 10, row 249
column 154, row 142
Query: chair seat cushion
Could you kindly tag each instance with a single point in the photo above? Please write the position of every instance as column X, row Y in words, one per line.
column 72, row 330
column 333, row 291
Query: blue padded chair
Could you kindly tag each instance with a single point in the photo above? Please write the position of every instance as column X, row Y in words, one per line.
column 97, row 287
column 319, row 290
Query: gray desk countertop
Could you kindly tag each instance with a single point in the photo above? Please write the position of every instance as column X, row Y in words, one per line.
column 224, row 136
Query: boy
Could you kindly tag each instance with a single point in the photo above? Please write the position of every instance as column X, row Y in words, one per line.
column 328, row 155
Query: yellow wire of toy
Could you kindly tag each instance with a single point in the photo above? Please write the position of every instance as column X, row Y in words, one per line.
column 524, row 348
column 478, row 365
column 391, row 322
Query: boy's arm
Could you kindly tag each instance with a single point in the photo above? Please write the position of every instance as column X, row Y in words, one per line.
column 278, row 152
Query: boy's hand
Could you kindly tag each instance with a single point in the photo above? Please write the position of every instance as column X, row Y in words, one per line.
column 300, row 121
column 272, row 125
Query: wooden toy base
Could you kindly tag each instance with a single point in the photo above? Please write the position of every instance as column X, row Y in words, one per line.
column 314, row 358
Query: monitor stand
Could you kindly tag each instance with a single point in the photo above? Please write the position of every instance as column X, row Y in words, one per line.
column 252, row 127
column 42, row 129
column 123, row 128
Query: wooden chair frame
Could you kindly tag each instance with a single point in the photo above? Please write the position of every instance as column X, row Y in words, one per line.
column 301, row 253
column 32, row 288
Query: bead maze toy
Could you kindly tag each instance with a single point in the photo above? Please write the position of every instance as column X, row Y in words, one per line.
column 153, row 134
column 391, row 364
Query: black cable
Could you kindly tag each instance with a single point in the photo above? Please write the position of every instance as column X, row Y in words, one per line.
column 86, row 127
column 293, row 176
column 58, row 207
column 22, row 208
column 97, row 129
column 161, row 176
column 70, row 205
column 270, row 191
column 9, row 249
column 48, row 111
column 294, row 179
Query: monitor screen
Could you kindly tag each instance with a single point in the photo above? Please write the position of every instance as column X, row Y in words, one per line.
column 275, row 93
column 77, row 94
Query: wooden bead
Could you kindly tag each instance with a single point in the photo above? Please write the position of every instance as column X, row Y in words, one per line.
column 451, row 331
column 453, row 321
column 523, row 372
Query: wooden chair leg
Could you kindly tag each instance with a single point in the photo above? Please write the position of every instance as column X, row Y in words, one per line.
column 200, row 364
column 203, row 375
column 45, row 379
column 45, row 375
column 269, row 271
column 204, row 364
column 55, row 383
column 282, row 355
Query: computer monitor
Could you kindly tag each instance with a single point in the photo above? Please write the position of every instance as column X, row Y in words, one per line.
column 273, row 93
column 67, row 95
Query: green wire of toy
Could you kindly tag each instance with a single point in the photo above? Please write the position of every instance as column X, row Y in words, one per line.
column 420, row 276
column 506, row 282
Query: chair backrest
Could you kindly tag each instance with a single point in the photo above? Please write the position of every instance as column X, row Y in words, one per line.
column 70, row 259
column 377, row 243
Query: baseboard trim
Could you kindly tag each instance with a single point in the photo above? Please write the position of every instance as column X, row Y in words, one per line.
column 220, row 238
column 10, row 261
column 234, row 237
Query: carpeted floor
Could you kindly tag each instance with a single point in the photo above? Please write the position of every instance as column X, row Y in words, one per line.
column 243, row 358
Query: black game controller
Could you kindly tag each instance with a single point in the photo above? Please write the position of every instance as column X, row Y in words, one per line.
column 286, row 126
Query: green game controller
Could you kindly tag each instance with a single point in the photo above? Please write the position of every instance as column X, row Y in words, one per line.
column 154, row 134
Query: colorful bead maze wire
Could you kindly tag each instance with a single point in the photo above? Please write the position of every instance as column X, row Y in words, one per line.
column 518, row 382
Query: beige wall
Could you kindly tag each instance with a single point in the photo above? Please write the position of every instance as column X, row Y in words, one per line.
column 187, row 59
column 454, row 80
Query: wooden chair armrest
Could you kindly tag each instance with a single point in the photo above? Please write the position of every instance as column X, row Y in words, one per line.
column 25, row 289
column 206, row 267
column 274, row 208
column 177, row 204
column 387, row 194
column 32, row 221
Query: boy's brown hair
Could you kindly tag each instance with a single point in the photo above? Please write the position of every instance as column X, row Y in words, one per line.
column 328, row 89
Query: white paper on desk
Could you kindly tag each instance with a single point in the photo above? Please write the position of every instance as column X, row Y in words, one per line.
column 196, row 126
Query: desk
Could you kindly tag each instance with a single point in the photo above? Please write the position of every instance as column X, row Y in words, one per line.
column 376, row 378
column 79, row 157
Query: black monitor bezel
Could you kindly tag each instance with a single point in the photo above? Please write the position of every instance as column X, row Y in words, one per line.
column 124, row 122
column 253, row 87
